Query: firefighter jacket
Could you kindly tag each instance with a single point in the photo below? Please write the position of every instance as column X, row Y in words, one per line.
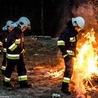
column 67, row 40
column 3, row 37
column 15, row 44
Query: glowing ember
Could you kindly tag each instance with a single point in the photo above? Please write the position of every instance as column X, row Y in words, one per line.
column 85, row 65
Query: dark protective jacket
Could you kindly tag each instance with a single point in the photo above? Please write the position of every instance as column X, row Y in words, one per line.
column 15, row 44
column 67, row 40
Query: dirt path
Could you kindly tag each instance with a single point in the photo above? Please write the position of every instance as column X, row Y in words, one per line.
column 45, row 68
column 45, row 81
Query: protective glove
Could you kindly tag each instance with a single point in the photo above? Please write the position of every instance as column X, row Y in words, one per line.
column 23, row 51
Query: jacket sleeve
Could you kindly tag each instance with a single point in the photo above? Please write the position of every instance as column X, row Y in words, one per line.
column 67, row 43
column 16, row 43
column 61, row 42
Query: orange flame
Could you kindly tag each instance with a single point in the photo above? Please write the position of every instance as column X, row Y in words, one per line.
column 85, row 65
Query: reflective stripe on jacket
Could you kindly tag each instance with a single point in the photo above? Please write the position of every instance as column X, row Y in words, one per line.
column 67, row 41
column 15, row 43
column 12, row 56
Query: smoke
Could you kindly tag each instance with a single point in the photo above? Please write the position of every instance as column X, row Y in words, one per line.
column 88, row 9
column 88, row 13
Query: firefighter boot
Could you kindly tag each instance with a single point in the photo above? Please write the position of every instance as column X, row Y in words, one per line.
column 24, row 84
column 65, row 89
column 7, row 84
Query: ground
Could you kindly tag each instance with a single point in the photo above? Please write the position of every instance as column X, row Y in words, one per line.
column 45, row 68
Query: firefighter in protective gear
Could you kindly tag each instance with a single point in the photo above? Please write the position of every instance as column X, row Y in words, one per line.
column 67, row 45
column 5, row 31
column 15, row 49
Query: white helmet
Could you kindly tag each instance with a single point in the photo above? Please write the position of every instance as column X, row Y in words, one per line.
column 23, row 21
column 4, row 28
column 8, row 25
column 14, row 24
column 78, row 21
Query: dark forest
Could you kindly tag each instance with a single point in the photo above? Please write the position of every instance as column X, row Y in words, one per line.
column 48, row 17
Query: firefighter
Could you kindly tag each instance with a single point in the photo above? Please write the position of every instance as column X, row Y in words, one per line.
column 5, row 31
column 67, row 45
column 14, row 55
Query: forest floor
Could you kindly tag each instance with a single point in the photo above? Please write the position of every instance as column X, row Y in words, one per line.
column 45, row 68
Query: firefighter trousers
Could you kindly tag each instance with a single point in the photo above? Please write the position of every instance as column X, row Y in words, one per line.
column 68, row 72
column 20, row 65
column 4, row 59
column 68, row 66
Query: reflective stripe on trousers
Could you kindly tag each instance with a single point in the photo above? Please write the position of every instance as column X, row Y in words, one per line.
column 66, row 80
column 12, row 56
column 22, row 78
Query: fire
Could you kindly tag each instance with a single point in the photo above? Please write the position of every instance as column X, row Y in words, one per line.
column 85, row 65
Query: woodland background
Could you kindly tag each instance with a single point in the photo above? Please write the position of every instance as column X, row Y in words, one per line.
column 48, row 17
